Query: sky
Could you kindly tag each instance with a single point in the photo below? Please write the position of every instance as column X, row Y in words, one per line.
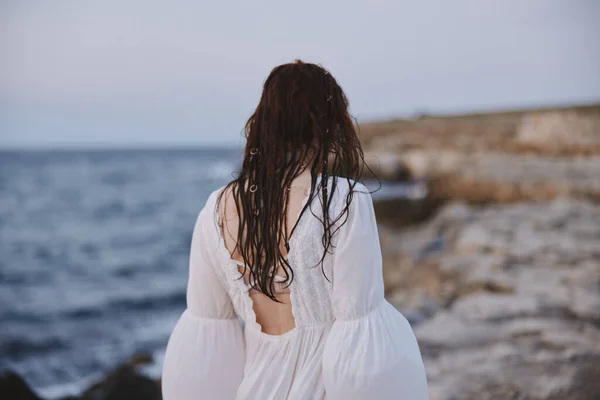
column 116, row 73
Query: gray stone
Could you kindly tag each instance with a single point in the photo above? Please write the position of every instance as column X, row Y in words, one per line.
column 518, row 299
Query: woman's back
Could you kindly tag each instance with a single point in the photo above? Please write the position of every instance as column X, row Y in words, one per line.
column 273, row 317
column 291, row 247
column 347, row 342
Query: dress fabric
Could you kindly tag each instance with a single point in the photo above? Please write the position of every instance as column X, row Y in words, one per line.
column 349, row 343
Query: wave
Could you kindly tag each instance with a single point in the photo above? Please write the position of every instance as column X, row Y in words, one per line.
column 20, row 346
column 95, row 254
column 150, row 303
column 107, row 309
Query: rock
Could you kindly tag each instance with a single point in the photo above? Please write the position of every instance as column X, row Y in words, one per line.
column 140, row 360
column 425, row 164
column 486, row 178
column 386, row 166
column 516, row 290
column 124, row 384
column 397, row 212
column 416, row 307
column 13, row 387
column 494, row 158
column 497, row 307
column 571, row 131
column 473, row 239
column 495, row 177
column 553, row 130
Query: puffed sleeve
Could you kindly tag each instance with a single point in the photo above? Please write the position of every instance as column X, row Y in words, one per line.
column 371, row 351
column 205, row 354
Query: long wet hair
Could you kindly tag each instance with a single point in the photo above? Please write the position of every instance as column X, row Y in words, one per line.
column 302, row 122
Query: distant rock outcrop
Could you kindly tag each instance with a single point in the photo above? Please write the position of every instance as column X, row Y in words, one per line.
column 491, row 158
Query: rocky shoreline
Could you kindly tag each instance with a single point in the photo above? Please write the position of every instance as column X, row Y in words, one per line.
column 501, row 277
column 126, row 382
column 497, row 267
column 505, row 300
column 497, row 158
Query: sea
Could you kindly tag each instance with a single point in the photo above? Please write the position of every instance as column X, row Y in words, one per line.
column 94, row 248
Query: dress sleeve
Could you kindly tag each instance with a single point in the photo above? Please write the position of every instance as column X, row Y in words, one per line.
column 205, row 354
column 371, row 351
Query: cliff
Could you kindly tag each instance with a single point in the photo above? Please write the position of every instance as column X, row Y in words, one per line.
column 500, row 270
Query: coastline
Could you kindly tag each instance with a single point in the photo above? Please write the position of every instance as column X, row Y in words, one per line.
column 501, row 274
column 488, row 226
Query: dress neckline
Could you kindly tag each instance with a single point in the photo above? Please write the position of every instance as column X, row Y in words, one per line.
column 290, row 240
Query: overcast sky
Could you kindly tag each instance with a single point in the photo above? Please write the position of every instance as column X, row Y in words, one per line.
column 149, row 73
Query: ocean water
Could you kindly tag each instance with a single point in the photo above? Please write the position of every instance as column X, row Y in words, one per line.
column 94, row 250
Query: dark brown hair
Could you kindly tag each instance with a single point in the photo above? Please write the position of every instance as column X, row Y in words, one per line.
column 302, row 122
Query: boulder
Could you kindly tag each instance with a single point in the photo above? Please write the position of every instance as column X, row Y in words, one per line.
column 13, row 387
column 124, row 384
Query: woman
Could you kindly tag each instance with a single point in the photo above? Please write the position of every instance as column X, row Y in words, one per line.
column 292, row 248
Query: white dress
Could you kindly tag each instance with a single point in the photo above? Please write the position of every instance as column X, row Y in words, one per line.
column 349, row 342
